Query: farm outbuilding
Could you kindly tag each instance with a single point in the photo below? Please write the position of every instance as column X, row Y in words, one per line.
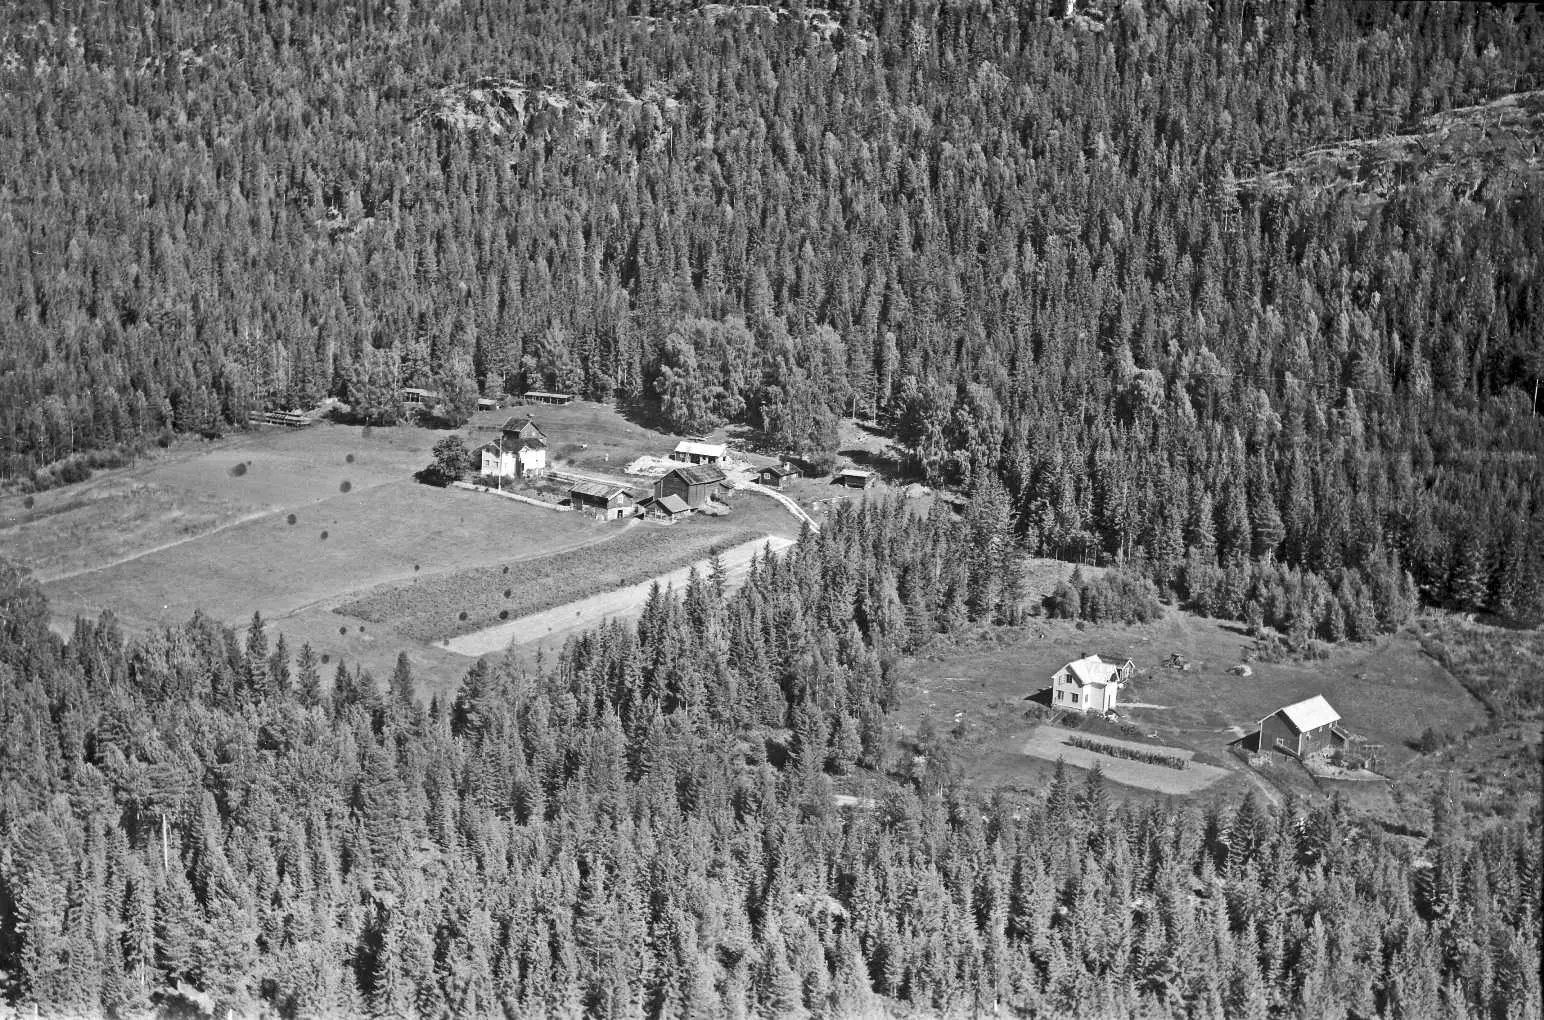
column 519, row 452
column 421, row 398
column 487, row 404
column 1089, row 684
column 608, row 502
column 693, row 485
column 543, row 397
column 693, row 452
column 671, row 507
column 854, row 478
column 772, row 476
column 1302, row 729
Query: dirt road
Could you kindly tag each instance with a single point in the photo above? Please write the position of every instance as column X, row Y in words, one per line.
column 551, row 627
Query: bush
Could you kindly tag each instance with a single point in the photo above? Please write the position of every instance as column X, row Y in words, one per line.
column 1433, row 740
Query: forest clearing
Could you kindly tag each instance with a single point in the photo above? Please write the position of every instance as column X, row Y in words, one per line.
column 294, row 523
column 1388, row 692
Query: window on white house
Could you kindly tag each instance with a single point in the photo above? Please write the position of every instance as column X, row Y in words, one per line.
column 1074, row 699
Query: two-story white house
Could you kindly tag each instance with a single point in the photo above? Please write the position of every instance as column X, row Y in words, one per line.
column 1089, row 684
column 519, row 452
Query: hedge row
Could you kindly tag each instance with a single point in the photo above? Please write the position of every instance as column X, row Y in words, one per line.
column 1117, row 751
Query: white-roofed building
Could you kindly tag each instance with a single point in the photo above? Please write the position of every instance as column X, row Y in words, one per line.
column 693, row 452
column 1089, row 684
column 1303, row 728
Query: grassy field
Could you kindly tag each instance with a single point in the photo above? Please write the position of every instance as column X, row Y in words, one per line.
column 449, row 604
column 1389, row 693
column 293, row 523
column 543, row 633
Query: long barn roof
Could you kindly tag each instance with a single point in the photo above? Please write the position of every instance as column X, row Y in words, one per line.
column 697, row 449
column 698, row 474
column 1309, row 714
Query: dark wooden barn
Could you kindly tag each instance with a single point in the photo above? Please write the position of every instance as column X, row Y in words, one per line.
column 695, row 485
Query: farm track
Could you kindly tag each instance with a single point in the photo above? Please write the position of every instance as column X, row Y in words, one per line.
column 583, row 614
column 44, row 577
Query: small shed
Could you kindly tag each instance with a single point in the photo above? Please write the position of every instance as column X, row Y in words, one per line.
column 423, row 398
column 854, row 478
column 671, row 506
column 544, row 397
column 694, row 485
column 608, row 502
column 1302, row 729
column 487, row 404
column 693, row 452
column 772, row 476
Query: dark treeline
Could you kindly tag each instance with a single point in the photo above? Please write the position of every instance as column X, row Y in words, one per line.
column 196, row 821
column 1033, row 248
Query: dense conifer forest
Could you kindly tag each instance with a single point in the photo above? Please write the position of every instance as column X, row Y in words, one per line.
column 1035, row 243
column 1037, row 246
column 198, row 820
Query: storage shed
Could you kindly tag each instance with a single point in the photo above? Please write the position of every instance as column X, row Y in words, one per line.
column 772, row 476
column 608, row 502
column 693, row 452
column 854, row 478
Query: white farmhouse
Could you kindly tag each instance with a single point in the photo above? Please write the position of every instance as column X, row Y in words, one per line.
column 519, row 452
column 1089, row 684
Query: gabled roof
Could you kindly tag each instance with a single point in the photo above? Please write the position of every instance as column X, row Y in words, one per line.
column 598, row 490
column 781, row 470
column 696, row 449
column 673, row 504
column 854, row 473
column 1093, row 670
column 524, row 429
column 1308, row 714
column 698, row 474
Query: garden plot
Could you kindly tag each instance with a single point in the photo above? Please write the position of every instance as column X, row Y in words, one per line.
column 1050, row 743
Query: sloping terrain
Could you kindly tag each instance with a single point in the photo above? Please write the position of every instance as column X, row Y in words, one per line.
column 1491, row 150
